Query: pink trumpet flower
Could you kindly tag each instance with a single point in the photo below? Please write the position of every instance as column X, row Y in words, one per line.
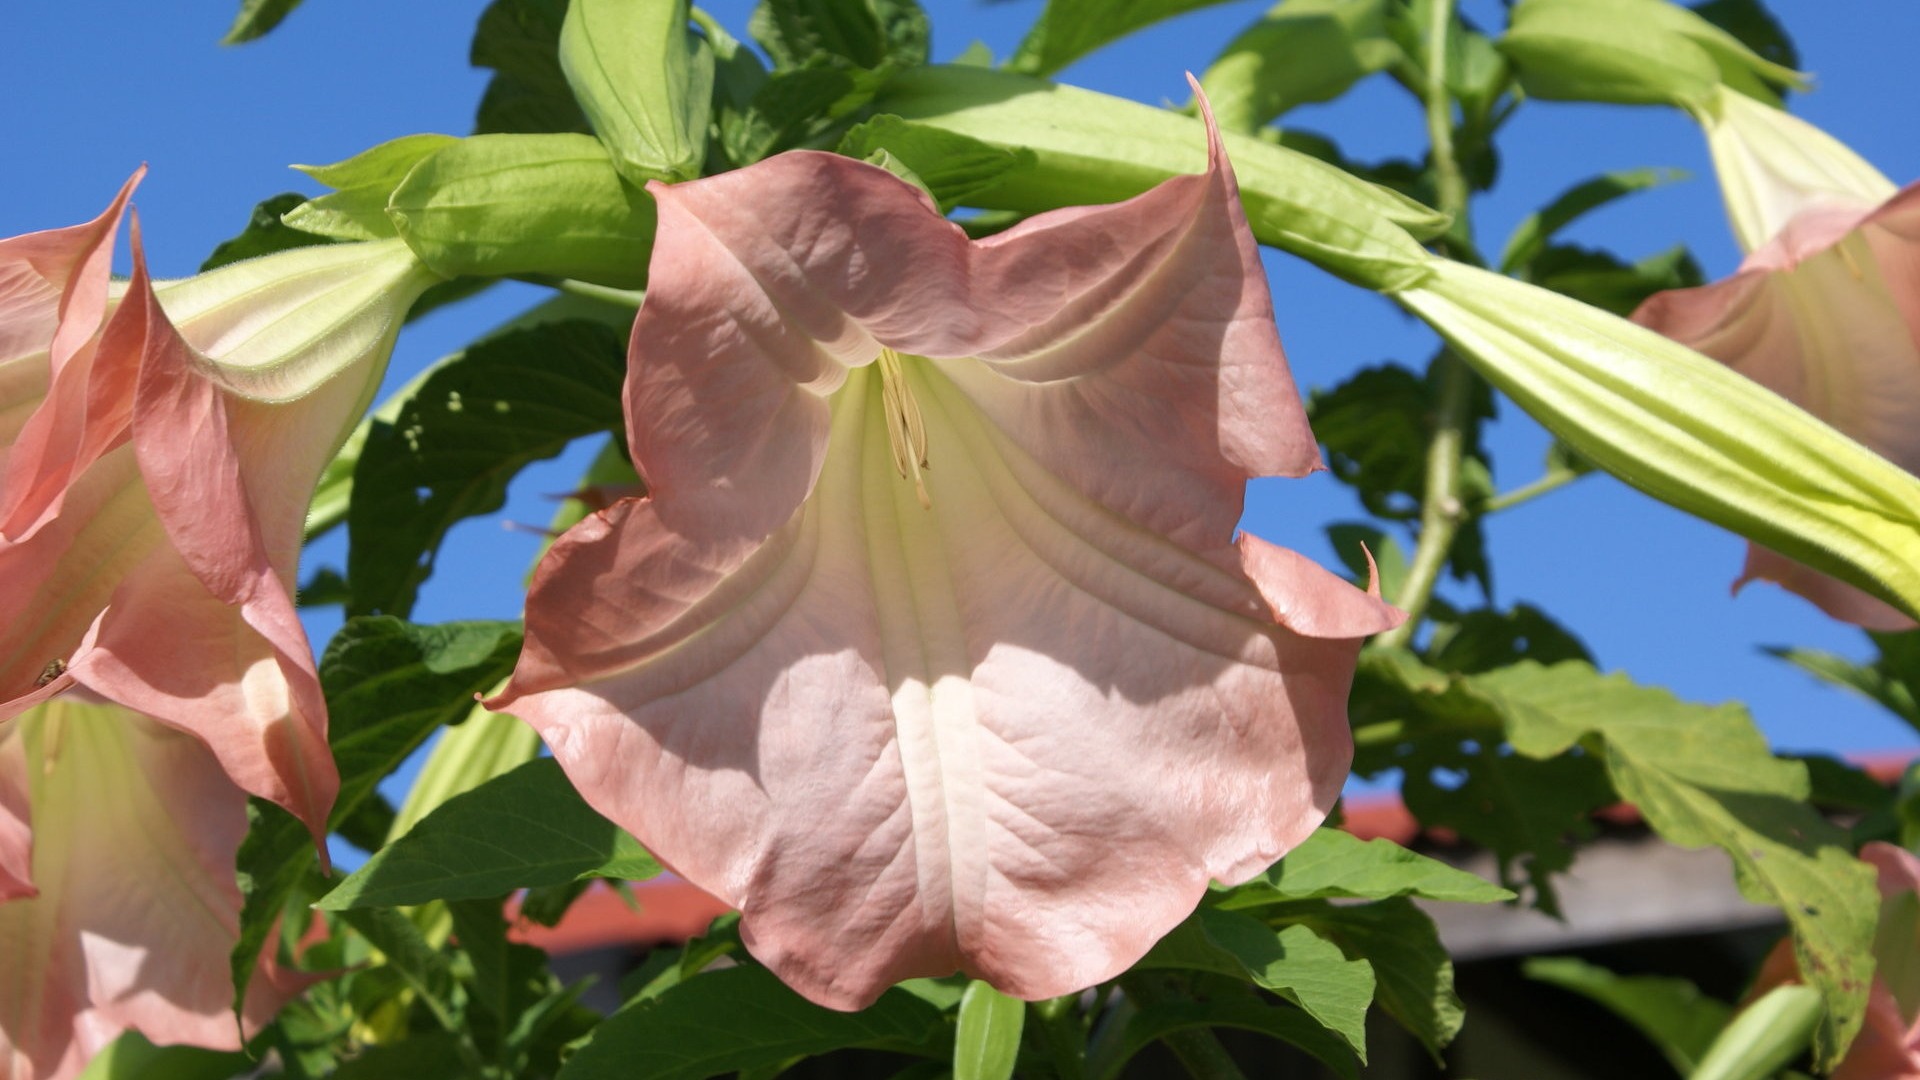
column 932, row 647
column 156, row 458
column 1824, row 311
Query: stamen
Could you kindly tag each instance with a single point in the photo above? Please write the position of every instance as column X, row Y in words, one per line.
column 906, row 430
column 1845, row 248
column 53, row 670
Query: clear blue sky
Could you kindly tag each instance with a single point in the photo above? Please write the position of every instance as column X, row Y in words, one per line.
column 102, row 86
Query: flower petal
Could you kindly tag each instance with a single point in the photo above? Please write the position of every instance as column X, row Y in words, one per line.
column 137, row 907
column 1014, row 734
column 1089, row 322
column 54, row 420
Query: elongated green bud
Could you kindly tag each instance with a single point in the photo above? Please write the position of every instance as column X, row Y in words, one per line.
column 645, row 82
column 1633, row 52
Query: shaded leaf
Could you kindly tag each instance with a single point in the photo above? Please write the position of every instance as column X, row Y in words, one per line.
column 1300, row 52
column 526, row 828
column 1530, row 237
column 520, row 41
column 864, row 33
column 469, row 429
column 1755, row 27
column 1890, row 679
column 265, row 234
column 1069, row 29
column 1485, row 639
column 1287, row 1024
column 1292, row 961
column 1333, row 863
column 1672, row 1013
column 1609, row 283
column 952, row 167
column 742, row 1018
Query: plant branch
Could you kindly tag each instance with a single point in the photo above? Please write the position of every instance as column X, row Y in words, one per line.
column 1552, row 481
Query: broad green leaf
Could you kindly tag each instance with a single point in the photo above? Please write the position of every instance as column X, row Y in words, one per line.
column 357, row 209
column 1398, row 941
column 265, row 234
column 132, row 1057
column 1484, row 639
column 484, row 745
column 954, row 168
column 1294, row 962
column 1093, row 148
column 1410, row 717
column 1703, row 775
column 1300, row 52
column 1633, row 52
column 1156, row 1022
column 1672, row 1013
column 501, row 205
column 256, row 19
column 1333, row 863
column 519, row 40
column 1070, row 29
column 422, row 1055
column 425, row 969
column 1530, row 237
column 1685, row 429
column 742, row 1018
column 468, row 429
column 334, row 493
column 797, row 107
column 869, row 34
column 987, row 1041
column 1896, row 949
column 389, row 684
column 645, row 82
column 1764, row 1038
column 525, row 828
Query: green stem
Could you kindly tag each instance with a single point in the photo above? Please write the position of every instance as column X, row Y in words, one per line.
column 1507, row 500
column 1197, row 1048
column 1441, row 511
column 1060, row 1031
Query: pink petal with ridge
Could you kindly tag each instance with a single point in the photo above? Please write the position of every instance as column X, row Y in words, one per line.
column 1015, row 731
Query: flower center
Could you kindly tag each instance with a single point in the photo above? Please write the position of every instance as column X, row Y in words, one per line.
column 906, row 431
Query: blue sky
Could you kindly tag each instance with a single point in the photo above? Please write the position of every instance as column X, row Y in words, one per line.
column 115, row 84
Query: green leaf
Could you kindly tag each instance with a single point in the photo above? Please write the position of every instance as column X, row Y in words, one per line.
column 1456, row 776
column 1294, row 962
column 425, row 970
column 1070, row 29
column 468, row 429
column 1412, row 969
column 645, row 81
column 519, row 40
column 501, row 205
column 1672, row 1013
column 867, row 34
column 1683, row 428
column 265, row 234
column 1333, row 863
column 1609, row 283
column 1093, row 148
column 742, row 1018
column 953, row 167
column 1890, row 679
column 1301, row 52
column 1531, row 235
column 357, row 209
column 1754, row 26
column 389, row 685
column 796, row 107
column 987, row 1042
column 132, row 1057
column 1484, row 639
column 256, row 19
column 1703, row 775
column 526, row 828
column 1156, row 1022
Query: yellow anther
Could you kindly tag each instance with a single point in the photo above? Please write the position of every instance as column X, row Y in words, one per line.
column 906, row 430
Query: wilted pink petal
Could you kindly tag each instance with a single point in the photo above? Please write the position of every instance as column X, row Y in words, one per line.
column 932, row 648
column 136, row 908
column 1827, row 315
